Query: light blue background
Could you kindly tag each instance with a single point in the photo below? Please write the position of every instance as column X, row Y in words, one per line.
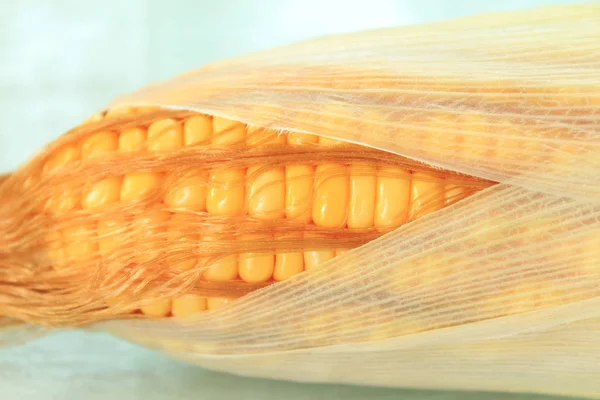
column 60, row 60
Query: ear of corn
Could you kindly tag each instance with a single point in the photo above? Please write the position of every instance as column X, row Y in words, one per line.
column 206, row 213
column 440, row 213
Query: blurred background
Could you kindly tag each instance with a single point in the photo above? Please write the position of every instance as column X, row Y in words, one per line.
column 61, row 60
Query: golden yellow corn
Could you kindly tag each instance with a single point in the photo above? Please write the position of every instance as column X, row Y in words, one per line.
column 325, row 197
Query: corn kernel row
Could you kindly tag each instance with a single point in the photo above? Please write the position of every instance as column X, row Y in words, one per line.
column 328, row 195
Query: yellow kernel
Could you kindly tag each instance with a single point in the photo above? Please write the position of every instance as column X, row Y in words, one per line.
column 187, row 305
column 197, row 130
column 331, row 196
column 165, row 135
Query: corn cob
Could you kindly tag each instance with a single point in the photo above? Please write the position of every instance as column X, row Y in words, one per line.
column 228, row 207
